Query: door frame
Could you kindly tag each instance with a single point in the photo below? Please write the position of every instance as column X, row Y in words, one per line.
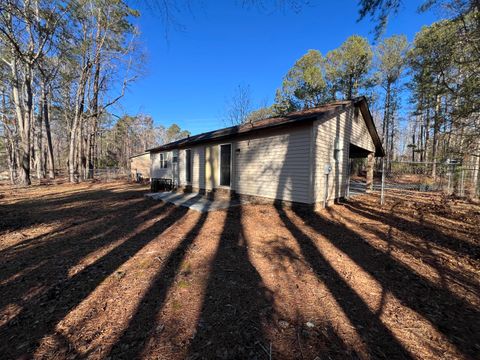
column 188, row 182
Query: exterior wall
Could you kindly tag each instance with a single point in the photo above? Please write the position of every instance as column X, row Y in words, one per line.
column 272, row 164
column 360, row 136
column 284, row 163
column 140, row 164
column 332, row 142
column 198, row 166
column 275, row 164
column 158, row 172
column 181, row 168
column 212, row 164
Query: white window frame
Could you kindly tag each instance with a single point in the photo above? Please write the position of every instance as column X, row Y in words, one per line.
column 220, row 165
column 163, row 160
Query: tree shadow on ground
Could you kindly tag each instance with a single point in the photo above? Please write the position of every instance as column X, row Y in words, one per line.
column 379, row 340
column 236, row 303
column 457, row 319
column 58, row 291
column 429, row 239
column 143, row 323
column 420, row 229
column 38, row 210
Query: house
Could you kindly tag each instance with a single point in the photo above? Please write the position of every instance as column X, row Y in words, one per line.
column 140, row 166
column 302, row 157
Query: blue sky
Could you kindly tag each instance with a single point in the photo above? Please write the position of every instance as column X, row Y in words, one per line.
column 189, row 76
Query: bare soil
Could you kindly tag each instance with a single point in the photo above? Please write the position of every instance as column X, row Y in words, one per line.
column 98, row 271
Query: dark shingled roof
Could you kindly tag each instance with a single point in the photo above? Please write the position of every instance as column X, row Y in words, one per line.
column 318, row 112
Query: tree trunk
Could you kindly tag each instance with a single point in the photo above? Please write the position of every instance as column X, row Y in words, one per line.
column 476, row 173
column 24, row 118
column 386, row 116
column 9, row 142
column 413, row 142
column 79, row 103
column 51, row 162
column 95, row 110
column 435, row 138
column 370, row 169
column 37, row 142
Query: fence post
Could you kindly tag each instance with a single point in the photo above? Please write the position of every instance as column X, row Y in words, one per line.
column 462, row 183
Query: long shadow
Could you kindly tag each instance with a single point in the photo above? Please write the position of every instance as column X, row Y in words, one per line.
column 143, row 321
column 422, row 250
column 458, row 320
column 380, row 341
column 235, row 304
column 46, row 260
column 40, row 314
column 423, row 230
column 66, row 209
column 28, row 212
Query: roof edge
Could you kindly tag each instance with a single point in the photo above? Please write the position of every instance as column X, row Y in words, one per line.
column 362, row 103
column 219, row 134
column 137, row 155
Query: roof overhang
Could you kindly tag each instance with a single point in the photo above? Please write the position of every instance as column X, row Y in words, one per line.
column 362, row 104
column 295, row 118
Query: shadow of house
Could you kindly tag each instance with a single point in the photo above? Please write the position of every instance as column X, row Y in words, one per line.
column 236, row 304
column 60, row 293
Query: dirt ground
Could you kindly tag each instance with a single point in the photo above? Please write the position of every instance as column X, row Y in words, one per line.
column 98, row 271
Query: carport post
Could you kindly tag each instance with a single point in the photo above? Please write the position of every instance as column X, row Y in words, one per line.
column 370, row 166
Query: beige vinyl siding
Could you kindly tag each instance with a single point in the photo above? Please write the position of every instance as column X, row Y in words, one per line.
column 360, row 136
column 140, row 164
column 334, row 135
column 212, row 163
column 198, row 166
column 181, row 168
column 158, row 172
column 275, row 165
column 331, row 134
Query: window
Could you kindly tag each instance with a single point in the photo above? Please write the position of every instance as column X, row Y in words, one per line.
column 225, row 164
column 188, row 165
column 163, row 161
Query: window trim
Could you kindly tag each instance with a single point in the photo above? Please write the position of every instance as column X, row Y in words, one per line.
column 220, row 165
column 163, row 160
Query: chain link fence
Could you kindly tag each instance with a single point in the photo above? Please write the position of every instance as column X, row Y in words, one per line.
column 451, row 178
column 102, row 174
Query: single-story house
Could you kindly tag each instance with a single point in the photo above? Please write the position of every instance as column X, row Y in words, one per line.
column 140, row 166
column 302, row 157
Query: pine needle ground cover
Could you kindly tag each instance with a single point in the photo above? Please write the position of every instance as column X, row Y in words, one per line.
column 98, row 271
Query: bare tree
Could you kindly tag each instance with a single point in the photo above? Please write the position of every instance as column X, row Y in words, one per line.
column 239, row 105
